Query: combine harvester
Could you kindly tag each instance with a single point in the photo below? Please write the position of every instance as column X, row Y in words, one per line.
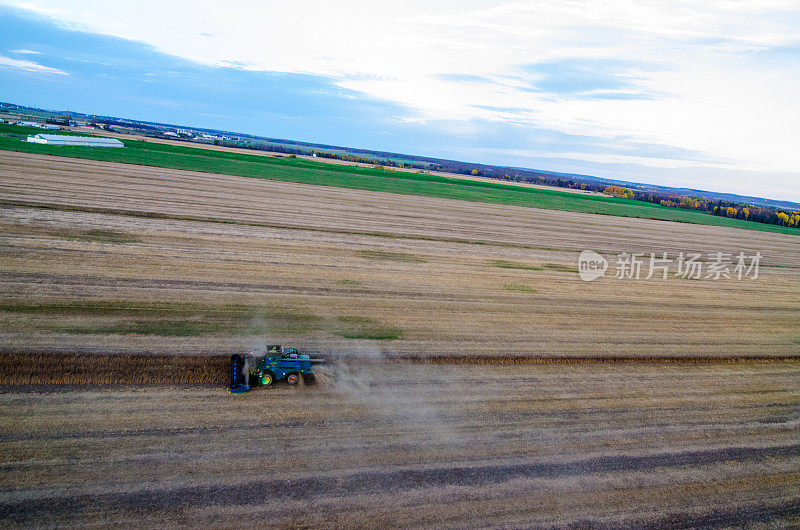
column 275, row 365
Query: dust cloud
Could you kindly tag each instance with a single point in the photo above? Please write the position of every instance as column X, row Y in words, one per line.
column 403, row 395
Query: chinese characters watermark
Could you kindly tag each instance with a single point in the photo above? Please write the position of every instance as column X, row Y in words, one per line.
column 688, row 265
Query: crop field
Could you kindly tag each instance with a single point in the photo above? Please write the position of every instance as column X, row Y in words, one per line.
column 393, row 445
column 112, row 258
column 352, row 177
column 124, row 286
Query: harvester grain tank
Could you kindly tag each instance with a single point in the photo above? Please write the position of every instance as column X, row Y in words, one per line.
column 277, row 364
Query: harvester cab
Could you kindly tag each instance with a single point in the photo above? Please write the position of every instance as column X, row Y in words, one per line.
column 277, row 364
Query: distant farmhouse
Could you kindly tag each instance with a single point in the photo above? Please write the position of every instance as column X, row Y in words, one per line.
column 80, row 141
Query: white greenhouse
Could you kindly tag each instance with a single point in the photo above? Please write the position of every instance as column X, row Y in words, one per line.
column 80, row 141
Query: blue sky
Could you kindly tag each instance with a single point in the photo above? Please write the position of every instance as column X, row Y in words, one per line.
column 670, row 93
column 111, row 76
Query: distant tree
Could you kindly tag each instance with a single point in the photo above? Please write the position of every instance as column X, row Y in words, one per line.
column 63, row 119
column 474, row 172
column 618, row 191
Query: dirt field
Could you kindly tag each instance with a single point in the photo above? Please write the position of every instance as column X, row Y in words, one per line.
column 236, row 263
column 100, row 258
column 388, row 445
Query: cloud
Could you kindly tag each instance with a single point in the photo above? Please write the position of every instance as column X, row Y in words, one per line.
column 25, row 52
column 28, row 66
column 713, row 80
column 579, row 77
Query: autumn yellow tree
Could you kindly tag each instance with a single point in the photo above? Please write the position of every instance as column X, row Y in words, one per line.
column 619, row 192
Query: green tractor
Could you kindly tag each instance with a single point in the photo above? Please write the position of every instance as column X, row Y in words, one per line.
column 277, row 364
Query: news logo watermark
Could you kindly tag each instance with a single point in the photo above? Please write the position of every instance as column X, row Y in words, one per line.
column 687, row 265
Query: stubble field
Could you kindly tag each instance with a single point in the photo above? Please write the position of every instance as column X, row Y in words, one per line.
column 102, row 258
column 392, row 445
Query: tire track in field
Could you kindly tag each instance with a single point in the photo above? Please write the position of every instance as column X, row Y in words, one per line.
column 721, row 518
column 399, row 480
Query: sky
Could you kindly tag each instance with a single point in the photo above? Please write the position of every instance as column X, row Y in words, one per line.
column 693, row 94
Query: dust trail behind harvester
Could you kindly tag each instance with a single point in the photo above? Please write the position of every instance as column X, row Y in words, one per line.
column 401, row 393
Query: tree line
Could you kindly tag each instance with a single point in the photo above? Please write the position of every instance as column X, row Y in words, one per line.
column 734, row 210
column 721, row 208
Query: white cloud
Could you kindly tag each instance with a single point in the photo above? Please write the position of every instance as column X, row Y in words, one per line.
column 712, row 83
column 25, row 52
column 29, row 66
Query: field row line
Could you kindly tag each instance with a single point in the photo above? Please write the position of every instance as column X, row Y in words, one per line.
column 206, row 219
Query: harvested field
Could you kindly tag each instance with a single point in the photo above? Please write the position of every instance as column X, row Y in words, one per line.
column 478, row 381
column 391, row 445
column 113, row 258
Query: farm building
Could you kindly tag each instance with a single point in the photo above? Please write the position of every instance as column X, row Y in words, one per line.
column 81, row 141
